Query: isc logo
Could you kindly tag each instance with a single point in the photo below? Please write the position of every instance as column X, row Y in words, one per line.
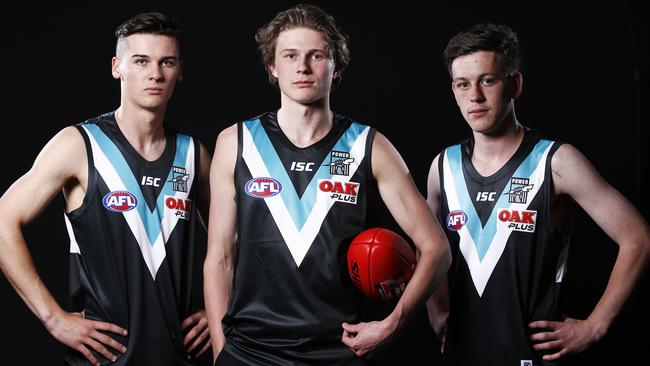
column 120, row 201
column 262, row 187
column 456, row 220
column 300, row 166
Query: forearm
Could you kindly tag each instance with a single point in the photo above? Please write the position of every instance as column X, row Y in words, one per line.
column 429, row 273
column 631, row 262
column 17, row 265
column 218, row 276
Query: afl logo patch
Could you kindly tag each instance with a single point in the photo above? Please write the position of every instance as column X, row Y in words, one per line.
column 120, row 201
column 456, row 220
column 262, row 187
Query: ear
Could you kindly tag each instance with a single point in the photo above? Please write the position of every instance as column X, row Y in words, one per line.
column 517, row 85
column 115, row 67
column 453, row 90
column 272, row 70
column 336, row 74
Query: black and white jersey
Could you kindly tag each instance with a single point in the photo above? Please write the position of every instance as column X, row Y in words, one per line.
column 133, row 257
column 298, row 210
column 508, row 258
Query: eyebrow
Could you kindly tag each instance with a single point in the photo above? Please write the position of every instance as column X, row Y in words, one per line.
column 479, row 77
column 148, row 57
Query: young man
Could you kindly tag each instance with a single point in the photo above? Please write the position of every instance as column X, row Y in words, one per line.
column 275, row 270
column 133, row 188
column 506, row 196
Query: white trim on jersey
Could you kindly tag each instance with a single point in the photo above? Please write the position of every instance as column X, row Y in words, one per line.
column 153, row 254
column 74, row 246
column 298, row 241
column 481, row 270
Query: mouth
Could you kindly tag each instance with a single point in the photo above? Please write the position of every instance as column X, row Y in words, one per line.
column 478, row 112
column 154, row 91
column 303, row 83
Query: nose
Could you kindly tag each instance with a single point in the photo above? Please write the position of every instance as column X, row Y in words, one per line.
column 476, row 93
column 303, row 65
column 156, row 73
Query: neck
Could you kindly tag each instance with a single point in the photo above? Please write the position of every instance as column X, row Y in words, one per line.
column 305, row 124
column 492, row 151
column 143, row 129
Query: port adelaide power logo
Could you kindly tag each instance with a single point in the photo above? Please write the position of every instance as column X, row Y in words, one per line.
column 340, row 163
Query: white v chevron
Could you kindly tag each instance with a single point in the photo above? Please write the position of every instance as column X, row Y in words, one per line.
column 151, row 229
column 298, row 219
column 482, row 246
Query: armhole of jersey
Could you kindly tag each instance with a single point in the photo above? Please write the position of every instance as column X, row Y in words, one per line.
column 441, row 183
column 370, row 139
column 550, row 189
column 92, row 176
column 240, row 160
column 197, row 167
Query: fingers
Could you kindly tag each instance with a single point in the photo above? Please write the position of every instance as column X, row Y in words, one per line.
column 190, row 320
column 102, row 350
column 108, row 327
column 200, row 339
column 89, row 355
column 200, row 327
column 557, row 344
column 106, row 340
column 205, row 348
column 545, row 324
column 555, row 356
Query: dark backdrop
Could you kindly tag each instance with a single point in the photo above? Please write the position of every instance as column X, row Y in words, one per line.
column 585, row 81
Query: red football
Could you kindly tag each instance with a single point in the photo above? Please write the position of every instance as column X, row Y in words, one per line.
column 380, row 263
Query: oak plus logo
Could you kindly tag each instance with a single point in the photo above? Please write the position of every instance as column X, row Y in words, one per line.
column 346, row 192
column 517, row 220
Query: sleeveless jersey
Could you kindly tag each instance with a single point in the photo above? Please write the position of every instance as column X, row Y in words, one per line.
column 298, row 210
column 508, row 258
column 133, row 257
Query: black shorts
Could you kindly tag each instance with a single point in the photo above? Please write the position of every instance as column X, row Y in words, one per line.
column 225, row 359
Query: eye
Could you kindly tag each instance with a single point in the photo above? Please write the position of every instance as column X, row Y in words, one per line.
column 488, row 81
column 318, row 56
column 140, row 61
column 462, row 85
column 169, row 63
column 290, row 56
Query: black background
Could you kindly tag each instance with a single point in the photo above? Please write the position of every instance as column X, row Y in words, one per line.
column 585, row 81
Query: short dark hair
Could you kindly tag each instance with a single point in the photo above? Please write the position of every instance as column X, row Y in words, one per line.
column 150, row 23
column 308, row 16
column 497, row 38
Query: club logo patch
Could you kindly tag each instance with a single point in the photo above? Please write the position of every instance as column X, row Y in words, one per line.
column 346, row 192
column 340, row 163
column 456, row 220
column 179, row 179
column 120, row 201
column 517, row 220
column 519, row 189
column 262, row 187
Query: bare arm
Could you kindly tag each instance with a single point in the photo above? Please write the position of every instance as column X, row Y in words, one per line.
column 22, row 202
column 220, row 260
column 204, row 185
column 574, row 175
column 197, row 335
column 410, row 210
column 438, row 303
